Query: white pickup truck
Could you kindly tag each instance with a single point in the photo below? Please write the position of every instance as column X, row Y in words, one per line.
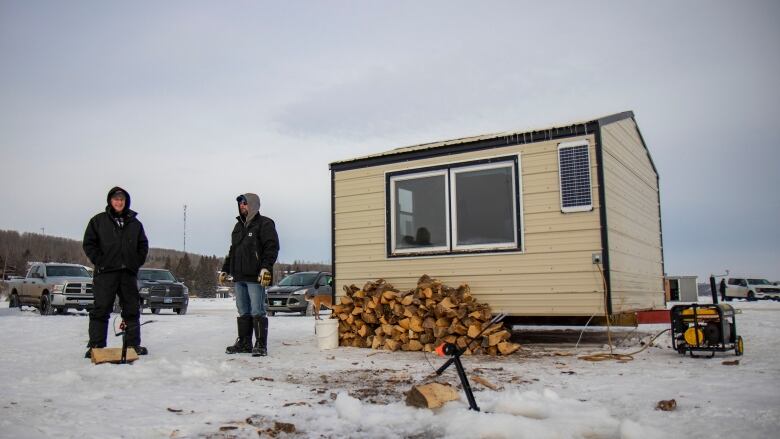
column 52, row 288
column 751, row 289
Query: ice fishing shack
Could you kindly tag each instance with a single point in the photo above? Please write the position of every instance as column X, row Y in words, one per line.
column 558, row 222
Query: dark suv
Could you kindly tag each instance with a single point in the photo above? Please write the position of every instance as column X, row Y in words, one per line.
column 287, row 295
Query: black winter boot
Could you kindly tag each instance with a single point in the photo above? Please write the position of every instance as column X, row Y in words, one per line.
column 261, row 336
column 140, row 350
column 88, row 355
column 243, row 344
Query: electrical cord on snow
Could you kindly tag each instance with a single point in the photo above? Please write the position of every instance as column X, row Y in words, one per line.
column 121, row 329
column 611, row 355
column 602, row 356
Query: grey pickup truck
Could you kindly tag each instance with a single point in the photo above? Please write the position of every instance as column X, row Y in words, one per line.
column 53, row 288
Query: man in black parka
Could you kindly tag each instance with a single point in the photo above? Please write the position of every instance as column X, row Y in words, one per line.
column 253, row 250
column 116, row 244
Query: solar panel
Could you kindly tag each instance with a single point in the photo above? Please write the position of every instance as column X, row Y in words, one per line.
column 574, row 171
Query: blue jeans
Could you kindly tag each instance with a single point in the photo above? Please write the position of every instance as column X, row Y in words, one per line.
column 250, row 298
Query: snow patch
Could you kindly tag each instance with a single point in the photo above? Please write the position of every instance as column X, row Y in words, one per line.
column 195, row 369
column 188, row 386
column 348, row 408
column 632, row 430
column 65, row 377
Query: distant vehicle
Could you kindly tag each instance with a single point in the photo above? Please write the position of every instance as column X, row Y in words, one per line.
column 222, row 291
column 751, row 289
column 287, row 295
column 53, row 288
column 159, row 289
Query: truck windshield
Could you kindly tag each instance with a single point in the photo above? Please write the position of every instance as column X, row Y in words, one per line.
column 156, row 275
column 66, row 271
column 758, row 282
column 298, row 279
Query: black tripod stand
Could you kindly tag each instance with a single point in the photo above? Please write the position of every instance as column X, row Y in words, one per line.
column 123, row 333
column 454, row 353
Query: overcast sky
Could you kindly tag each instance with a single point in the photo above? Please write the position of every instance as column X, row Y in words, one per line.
column 194, row 102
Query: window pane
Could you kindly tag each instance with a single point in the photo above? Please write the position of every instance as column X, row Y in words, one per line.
column 485, row 206
column 420, row 213
column 66, row 271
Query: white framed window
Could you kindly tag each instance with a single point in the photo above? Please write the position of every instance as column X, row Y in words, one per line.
column 455, row 208
column 574, row 176
column 483, row 206
column 420, row 212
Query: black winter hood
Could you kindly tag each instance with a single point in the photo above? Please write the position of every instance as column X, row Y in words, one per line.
column 111, row 193
column 253, row 203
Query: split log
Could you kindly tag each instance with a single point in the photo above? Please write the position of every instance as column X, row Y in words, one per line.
column 391, row 344
column 413, row 345
column 474, row 331
column 484, row 382
column 507, row 348
column 378, row 341
column 443, row 322
column 433, row 395
column 382, row 317
column 416, row 324
column 389, row 295
column 112, row 355
column 498, row 337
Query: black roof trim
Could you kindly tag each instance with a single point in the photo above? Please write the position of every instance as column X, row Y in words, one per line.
column 518, row 138
column 615, row 117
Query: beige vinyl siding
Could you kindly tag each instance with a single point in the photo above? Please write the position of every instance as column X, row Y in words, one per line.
column 552, row 276
column 634, row 235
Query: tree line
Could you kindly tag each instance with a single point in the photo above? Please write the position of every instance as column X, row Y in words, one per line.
column 198, row 272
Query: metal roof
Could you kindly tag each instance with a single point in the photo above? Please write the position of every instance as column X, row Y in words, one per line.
column 511, row 136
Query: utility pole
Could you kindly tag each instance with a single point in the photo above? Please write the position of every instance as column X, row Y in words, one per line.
column 185, row 229
column 5, row 263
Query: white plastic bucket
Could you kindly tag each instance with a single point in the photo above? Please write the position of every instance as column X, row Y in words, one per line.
column 327, row 331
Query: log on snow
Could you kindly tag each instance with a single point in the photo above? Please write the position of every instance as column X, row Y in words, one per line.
column 432, row 395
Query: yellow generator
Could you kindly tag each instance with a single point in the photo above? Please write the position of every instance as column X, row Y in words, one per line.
column 705, row 328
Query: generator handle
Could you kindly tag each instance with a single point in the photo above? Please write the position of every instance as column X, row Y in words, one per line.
column 713, row 289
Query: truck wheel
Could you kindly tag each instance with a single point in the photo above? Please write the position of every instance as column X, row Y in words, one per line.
column 13, row 301
column 45, row 308
column 181, row 311
column 271, row 313
column 155, row 310
column 751, row 297
column 739, row 348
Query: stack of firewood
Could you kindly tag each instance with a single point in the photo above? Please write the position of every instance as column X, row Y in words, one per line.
column 381, row 317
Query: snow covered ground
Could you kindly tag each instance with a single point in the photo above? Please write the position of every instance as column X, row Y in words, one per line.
column 188, row 387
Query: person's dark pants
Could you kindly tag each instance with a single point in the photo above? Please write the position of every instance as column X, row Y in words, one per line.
column 106, row 286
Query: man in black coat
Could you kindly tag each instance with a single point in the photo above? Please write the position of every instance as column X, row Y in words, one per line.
column 253, row 251
column 116, row 244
